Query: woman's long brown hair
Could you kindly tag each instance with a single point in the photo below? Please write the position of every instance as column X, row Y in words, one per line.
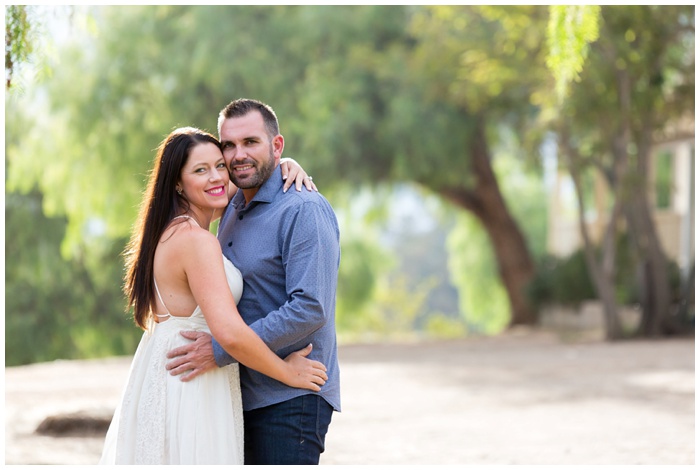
column 159, row 205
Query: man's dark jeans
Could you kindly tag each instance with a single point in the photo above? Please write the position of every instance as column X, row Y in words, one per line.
column 288, row 433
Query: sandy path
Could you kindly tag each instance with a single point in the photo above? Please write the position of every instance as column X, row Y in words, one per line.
column 515, row 399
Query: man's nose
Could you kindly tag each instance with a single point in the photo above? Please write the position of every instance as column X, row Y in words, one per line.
column 230, row 156
column 238, row 154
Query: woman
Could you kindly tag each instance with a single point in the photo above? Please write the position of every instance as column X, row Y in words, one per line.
column 178, row 279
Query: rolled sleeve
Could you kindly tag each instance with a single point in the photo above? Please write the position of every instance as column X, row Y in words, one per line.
column 221, row 357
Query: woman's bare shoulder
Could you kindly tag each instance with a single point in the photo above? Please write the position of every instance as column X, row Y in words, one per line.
column 188, row 237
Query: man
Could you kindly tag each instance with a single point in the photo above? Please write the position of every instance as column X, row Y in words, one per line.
column 286, row 245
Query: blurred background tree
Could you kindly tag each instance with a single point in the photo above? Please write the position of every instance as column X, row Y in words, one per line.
column 638, row 81
column 18, row 39
column 423, row 126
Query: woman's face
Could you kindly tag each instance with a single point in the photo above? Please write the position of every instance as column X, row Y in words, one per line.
column 204, row 178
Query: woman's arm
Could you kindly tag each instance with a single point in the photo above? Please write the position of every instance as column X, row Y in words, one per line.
column 204, row 268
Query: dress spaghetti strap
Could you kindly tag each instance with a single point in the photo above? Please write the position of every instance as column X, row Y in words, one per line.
column 167, row 315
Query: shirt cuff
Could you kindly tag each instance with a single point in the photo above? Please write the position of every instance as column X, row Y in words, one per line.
column 221, row 357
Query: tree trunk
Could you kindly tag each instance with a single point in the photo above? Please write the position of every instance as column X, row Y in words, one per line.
column 655, row 286
column 603, row 272
column 485, row 201
column 634, row 182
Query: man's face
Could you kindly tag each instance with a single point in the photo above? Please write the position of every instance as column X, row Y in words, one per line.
column 250, row 155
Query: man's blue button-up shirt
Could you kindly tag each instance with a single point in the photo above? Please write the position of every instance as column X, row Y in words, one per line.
column 287, row 247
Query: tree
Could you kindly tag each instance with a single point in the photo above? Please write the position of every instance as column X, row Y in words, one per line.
column 27, row 42
column 57, row 307
column 639, row 78
column 18, row 39
column 425, row 104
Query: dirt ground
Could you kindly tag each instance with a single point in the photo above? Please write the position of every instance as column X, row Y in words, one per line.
column 521, row 398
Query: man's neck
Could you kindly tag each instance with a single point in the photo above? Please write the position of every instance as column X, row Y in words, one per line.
column 249, row 194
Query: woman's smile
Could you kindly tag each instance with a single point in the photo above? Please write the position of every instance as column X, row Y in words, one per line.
column 217, row 191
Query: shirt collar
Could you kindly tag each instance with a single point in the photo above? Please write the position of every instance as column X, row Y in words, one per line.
column 266, row 193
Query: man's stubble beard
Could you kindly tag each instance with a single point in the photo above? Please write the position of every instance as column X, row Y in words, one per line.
column 261, row 175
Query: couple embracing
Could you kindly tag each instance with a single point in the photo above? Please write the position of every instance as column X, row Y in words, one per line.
column 220, row 312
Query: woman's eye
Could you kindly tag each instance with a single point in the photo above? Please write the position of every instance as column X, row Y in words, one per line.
column 221, row 165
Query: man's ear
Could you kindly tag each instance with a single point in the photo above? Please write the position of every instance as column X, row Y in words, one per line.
column 277, row 146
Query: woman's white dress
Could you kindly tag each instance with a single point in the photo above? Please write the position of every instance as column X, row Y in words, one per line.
column 162, row 420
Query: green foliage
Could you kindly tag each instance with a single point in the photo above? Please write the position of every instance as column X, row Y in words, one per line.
column 53, row 304
column 362, row 263
column 565, row 280
column 18, row 39
column 482, row 299
column 483, row 58
column 393, row 282
column 392, row 313
column 561, row 281
column 29, row 43
column 570, row 31
column 444, row 326
column 663, row 181
column 353, row 59
column 55, row 308
column 639, row 75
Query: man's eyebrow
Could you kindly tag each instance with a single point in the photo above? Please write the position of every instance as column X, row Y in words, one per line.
column 244, row 139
